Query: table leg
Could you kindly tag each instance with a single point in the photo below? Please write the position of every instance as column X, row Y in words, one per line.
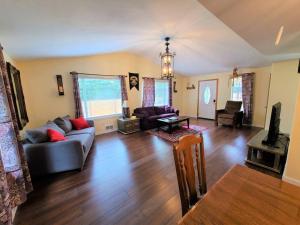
column 188, row 123
column 276, row 162
column 249, row 153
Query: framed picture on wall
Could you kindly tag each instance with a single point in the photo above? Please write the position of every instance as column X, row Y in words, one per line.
column 18, row 96
column 134, row 80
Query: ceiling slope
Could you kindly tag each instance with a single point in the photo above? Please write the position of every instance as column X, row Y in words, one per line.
column 202, row 42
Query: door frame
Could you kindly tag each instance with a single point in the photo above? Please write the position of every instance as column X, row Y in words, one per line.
column 217, row 95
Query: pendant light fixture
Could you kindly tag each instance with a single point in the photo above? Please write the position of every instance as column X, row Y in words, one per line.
column 167, row 62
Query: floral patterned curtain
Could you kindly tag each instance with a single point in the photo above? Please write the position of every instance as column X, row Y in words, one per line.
column 247, row 94
column 170, row 93
column 77, row 99
column 123, row 89
column 15, row 181
column 148, row 92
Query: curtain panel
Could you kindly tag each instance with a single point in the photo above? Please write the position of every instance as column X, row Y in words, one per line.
column 247, row 95
column 123, row 89
column 15, row 181
column 77, row 99
column 148, row 92
column 170, row 93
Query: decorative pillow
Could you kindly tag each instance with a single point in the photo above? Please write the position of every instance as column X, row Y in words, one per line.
column 79, row 123
column 39, row 135
column 64, row 123
column 168, row 109
column 55, row 136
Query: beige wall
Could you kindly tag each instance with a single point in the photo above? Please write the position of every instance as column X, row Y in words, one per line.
column 40, row 88
column 292, row 169
column 283, row 88
column 7, row 58
column 224, row 88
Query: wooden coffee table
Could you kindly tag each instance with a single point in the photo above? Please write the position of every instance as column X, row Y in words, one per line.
column 170, row 122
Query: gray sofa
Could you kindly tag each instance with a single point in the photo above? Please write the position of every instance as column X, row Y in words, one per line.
column 53, row 157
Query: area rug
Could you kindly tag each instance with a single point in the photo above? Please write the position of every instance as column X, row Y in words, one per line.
column 178, row 133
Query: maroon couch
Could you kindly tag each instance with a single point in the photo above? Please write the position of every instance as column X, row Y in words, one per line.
column 149, row 115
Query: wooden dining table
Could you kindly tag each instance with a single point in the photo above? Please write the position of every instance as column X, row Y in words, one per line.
column 245, row 196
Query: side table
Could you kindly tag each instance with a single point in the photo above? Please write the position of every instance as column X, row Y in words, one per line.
column 128, row 125
column 269, row 157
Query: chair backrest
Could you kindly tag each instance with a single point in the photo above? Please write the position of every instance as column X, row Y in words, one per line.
column 233, row 106
column 186, row 152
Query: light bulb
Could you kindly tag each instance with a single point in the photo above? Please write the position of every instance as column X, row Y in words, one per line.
column 165, row 59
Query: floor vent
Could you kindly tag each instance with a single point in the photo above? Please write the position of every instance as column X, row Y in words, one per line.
column 109, row 127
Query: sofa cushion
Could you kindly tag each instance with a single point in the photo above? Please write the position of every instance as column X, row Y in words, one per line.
column 153, row 118
column 86, row 140
column 150, row 111
column 64, row 123
column 160, row 110
column 39, row 135
column 90, row 130
column 226, row 115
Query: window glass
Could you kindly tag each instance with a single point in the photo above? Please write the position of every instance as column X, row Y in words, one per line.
column 100, row 96
column 236, row 89
column 207, row 95
column 161, row 92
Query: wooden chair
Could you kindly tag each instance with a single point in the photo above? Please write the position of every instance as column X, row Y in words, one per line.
column 189, row 146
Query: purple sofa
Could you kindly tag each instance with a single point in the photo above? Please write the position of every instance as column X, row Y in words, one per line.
column 149, row 115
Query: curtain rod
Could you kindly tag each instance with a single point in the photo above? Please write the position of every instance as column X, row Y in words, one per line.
column 241, row 74
column 94, row 74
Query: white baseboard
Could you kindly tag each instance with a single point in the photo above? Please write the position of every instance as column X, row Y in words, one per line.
column 105, row 132
column 291, row 180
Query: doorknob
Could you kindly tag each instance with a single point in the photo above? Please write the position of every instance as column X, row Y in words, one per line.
column 214, row 100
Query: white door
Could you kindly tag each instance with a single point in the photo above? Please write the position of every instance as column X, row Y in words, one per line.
column 207, row 99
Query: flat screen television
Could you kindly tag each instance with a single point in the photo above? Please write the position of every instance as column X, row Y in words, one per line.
column 273, row 133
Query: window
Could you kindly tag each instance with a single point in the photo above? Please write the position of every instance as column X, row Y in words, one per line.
column 100, row 96
column 161, row 92
column 236, row 89
column 207, row 95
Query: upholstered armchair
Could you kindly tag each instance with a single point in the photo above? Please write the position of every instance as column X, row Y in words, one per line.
column 231, row 115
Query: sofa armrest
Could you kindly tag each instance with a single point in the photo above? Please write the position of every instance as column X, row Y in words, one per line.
column 91, row 123
column 174, row 110
column 217, row 113
column 48, row 157
column 220, row 111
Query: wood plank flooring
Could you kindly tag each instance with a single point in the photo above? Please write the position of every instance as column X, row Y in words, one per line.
column 128, row 179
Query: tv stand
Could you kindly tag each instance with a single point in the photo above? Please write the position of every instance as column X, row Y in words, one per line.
column 265, row 156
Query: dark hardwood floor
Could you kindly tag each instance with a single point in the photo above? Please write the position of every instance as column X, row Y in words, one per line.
column 128, row 179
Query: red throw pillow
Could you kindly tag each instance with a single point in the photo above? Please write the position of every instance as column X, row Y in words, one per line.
column 55, row 136
column 80, row 123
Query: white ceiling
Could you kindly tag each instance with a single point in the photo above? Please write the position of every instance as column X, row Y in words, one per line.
column 202, row 42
